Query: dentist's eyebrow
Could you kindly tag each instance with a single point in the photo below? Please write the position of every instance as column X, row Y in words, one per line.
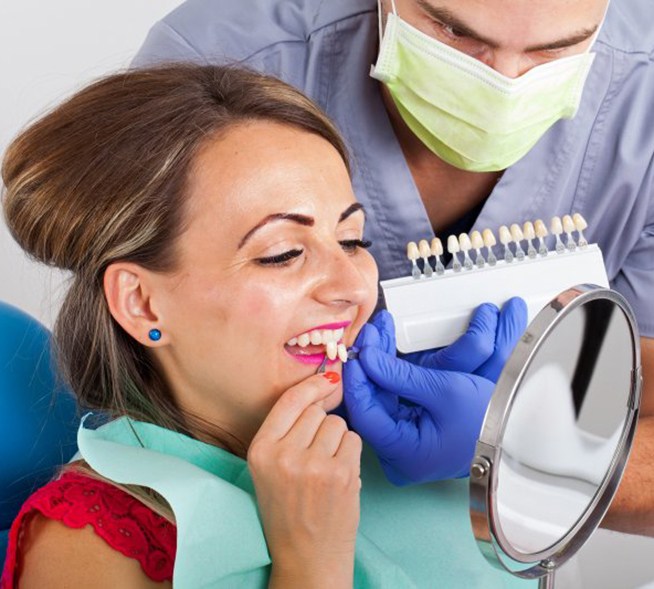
column 570, row 41
column 445, row 17
column 293, row 217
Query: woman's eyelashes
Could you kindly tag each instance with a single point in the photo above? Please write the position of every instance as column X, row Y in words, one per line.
column 282, row 259
column 350, row 246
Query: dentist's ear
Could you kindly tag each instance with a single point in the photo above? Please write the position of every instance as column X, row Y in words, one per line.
column 128, row 292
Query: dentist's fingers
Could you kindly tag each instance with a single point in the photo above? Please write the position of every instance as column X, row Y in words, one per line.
column 473, row 348
column 511, row 325
column 438, row 391
column 291, row 405
column 385, row 325
column 366, row 413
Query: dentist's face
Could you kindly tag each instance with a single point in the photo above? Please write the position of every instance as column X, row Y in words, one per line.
column 511, row 36
column 272, row 251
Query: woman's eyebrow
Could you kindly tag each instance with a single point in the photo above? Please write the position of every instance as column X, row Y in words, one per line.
column 353, row 208
column 296, row 218
column 293, row 217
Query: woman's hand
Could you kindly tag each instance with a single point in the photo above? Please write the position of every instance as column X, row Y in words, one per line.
column 305, row 465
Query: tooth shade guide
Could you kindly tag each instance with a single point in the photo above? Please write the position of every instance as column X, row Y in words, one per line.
column 517, row 236
column 505, row 235
column 437, row 252
column 528, row 230
column 489, row 242
column 505, row 240
column 540, row 229
column 331, row 350
column 477, row 242
column 489, row 238
column 433, row 313
column 568, row 224
column 569, row 227
column 453, row 244
column 465, row 246
column 541, row 234
column 436, row 247
column 556, row 227
column 580, row 226
column 341, row 351
column 424, row 249
column 413, row 254
column 530, row 235
column 516, row 232
column 453, row 248
column 425, row 252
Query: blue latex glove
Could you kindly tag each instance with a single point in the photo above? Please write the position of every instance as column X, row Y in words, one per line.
column 422, row 422
column 486, row 345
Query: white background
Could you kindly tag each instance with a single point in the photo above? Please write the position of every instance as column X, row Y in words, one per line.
column 48, row 49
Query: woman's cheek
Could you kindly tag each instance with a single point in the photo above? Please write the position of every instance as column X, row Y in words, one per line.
column 263, row 303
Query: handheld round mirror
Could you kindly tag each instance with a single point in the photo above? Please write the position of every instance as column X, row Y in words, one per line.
column 557, row 433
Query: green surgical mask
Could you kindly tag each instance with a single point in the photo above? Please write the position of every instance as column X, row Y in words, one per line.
column 464, row 111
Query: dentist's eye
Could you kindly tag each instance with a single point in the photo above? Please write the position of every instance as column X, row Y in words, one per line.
column 351, row 245
column 279, row 260
column 451, row 31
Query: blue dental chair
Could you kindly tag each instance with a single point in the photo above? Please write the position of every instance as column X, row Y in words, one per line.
column 38, row 416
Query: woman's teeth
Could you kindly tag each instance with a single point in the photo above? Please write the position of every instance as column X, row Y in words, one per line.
column 317, row 337
column 330, row 338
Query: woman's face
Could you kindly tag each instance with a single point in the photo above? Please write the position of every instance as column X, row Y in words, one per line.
column 271, row 252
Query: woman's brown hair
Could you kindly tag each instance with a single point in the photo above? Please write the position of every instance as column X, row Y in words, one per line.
column 102, row 178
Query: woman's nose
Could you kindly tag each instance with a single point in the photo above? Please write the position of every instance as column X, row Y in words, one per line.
column 345, row 280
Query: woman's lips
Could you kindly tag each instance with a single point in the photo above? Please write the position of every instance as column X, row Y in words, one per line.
column 309, row 354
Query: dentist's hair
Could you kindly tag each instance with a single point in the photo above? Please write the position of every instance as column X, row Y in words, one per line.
column 103, row 178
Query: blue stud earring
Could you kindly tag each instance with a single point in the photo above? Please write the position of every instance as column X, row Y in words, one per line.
column 154, row 335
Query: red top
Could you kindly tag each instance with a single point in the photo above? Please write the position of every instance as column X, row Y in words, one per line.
column 122, row 521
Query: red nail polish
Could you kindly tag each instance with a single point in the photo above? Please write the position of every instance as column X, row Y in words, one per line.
column 332, row 377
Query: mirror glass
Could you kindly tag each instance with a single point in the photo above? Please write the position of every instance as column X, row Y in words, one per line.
column 567, row 417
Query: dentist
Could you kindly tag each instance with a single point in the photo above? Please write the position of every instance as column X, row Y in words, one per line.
column 462, row 115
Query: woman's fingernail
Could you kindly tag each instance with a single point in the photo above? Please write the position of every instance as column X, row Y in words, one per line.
column 332, row 377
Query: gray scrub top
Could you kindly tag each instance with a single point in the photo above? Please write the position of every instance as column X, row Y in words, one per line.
column 598, row 164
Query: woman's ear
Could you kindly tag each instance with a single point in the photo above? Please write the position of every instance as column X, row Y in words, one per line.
column 127, row 288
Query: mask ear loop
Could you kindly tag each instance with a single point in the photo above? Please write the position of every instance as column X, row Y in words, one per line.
column 379, row 15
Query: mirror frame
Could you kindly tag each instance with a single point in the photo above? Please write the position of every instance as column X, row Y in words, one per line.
column 485, row 465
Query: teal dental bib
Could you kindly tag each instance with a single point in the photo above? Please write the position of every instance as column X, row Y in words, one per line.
column 411, row 537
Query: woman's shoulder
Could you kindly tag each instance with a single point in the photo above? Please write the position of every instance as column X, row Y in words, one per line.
column 94, row 524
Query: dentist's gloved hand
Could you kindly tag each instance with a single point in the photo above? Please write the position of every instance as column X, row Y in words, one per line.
column 485, row 346
column 433, row 435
